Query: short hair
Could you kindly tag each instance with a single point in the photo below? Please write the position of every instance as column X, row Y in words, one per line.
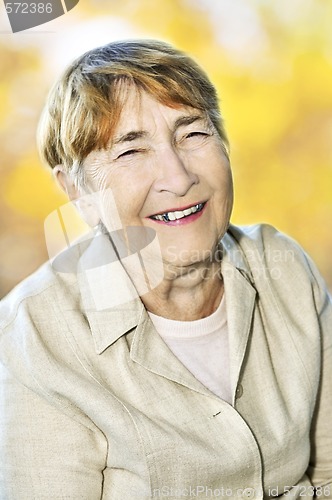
column 84, row 105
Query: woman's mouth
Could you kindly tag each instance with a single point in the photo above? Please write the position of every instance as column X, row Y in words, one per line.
column 176, row 215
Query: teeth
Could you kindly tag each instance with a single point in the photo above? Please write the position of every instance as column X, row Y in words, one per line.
column 178, row 214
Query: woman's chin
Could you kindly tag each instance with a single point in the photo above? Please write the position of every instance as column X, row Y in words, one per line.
column 187, row 257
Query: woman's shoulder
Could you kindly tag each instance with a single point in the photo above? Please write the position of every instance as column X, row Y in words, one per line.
column 35, row 323
column 34, row 295
column 35, row 285
column 268, row 245
column 54, row 282
column 277, row 259
column 261, row 235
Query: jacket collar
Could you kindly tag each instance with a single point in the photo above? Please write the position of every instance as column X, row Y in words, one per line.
column 108, row 297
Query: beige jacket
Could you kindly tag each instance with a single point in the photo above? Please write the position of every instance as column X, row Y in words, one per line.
column 93, row 404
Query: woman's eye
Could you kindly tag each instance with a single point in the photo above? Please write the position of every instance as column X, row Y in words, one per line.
column 130, row 152
column 196, row 137
column 196, row 134
column 193, row 139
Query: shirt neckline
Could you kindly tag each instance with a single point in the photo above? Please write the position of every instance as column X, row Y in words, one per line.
column 169, row 328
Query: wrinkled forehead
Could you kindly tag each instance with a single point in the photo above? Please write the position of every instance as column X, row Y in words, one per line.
column 133, row 110
column 143, row 112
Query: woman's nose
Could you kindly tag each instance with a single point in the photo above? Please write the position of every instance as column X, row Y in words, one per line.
column 174, row 175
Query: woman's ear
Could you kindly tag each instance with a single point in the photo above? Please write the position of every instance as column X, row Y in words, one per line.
column 66, row 182
column 85, row 203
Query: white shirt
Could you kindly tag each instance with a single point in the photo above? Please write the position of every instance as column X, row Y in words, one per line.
column 202, row 347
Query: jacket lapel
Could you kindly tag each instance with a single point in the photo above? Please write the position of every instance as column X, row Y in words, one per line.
column 240, row 297
column 150, row 351
column 240, row 301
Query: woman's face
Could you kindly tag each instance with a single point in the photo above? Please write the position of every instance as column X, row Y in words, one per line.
column 166, row 170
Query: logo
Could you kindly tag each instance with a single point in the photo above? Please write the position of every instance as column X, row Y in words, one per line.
column 25, row 15
column 114, row 264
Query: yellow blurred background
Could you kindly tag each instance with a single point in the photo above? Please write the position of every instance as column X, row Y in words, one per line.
column 272, row 65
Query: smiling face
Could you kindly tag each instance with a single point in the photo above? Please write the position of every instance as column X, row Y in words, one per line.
column 167, row 170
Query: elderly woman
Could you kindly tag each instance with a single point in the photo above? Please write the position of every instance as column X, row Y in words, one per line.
column 167, row 354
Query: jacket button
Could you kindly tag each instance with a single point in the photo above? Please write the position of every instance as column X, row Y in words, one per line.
column 239, row 391
column 248, row 493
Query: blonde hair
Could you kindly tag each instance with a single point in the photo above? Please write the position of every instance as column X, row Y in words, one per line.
column 84, row 106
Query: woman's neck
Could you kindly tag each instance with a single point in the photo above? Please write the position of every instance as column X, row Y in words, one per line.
column 187, row 294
